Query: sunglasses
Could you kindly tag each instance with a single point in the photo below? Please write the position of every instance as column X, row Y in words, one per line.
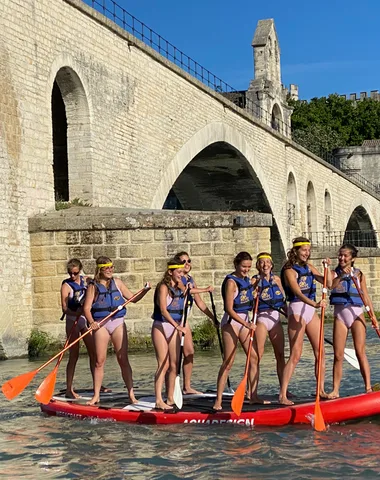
column 187, row 261
column 107, row 268
column 73, row 273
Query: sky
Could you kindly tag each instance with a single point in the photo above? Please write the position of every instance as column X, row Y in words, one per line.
column 326, row 46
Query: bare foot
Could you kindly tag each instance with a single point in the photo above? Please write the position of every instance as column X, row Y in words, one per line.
column 93, row 401
column 71, row 394
column 163, row 406
column 369, row 390
column 323, row 395
column 217, row 407
column 191, row 391
column 333, row 395
column 285, row 401
column 257, row 400
column 105, row 389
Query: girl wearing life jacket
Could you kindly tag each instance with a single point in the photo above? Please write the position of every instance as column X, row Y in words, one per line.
column 103, row 296
column 237, row 293
column 271, row 302
column 194, row 291
column 169, row 305
column 73, row 291
column 348, row 315
column 299, row 279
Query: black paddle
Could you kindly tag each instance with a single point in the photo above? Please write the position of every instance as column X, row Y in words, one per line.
column 178, row 397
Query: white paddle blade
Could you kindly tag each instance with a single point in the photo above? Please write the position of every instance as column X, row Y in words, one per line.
column 352, row 359
column 178, row 398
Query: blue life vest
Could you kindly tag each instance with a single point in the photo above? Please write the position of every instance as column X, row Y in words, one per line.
column 305, row 280
column 185, row 281
column 76, row 301
column 270, row 295
column 107, row 301
column 345, row 293
column 243, row 302
column 175, row 308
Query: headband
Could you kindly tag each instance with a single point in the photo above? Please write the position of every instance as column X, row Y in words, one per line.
column 103, row 265
column 264, row 256
column 299, row 244
column 173, row 267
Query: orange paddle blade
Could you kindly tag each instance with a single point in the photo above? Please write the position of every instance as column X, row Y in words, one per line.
column 319, row 423
column 238, row 398
column 46, row 390
column 16, row 385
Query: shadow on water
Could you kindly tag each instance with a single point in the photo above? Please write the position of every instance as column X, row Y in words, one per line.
column 33, row 446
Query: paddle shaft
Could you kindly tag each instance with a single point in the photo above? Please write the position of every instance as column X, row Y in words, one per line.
column 218, row 332
column 187, row 305
column 120, row 307
column 367, row 307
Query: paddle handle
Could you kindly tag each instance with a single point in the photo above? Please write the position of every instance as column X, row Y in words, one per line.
column 218, row 333
column 367, row 307
column 120, row 307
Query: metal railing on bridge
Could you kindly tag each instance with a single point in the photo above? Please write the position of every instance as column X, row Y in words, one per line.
column 359, row 238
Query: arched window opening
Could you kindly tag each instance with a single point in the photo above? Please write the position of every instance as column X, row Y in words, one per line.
column 359, row 230
column 328, row 212
column 291, row 200
column 276, row 120
column 60, row 160
column 311, row 211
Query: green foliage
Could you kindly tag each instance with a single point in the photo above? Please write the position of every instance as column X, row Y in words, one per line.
column 204, row 335
column 76, row 202
column 39, row 343
column 333, row 121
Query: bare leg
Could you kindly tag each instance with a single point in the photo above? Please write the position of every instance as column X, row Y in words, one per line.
column 276, row 336
column 101, row 339
column 173, row 347
column 339, row 340
column 119, row 339
column 230, row 339
column 313, row 331
column 188, row 362
column 71, row 364
column 162, row 355
column 358, row 331
column 257, row 352
column 296, row 331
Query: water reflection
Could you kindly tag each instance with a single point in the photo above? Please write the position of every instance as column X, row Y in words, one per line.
column 32, row 445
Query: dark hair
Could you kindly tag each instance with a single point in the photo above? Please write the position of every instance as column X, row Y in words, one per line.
column 167, row 277
column 292, row 253
column 258, row 259
column 99, row 261
column 353, row 250
column 74, row 262
column 180, row 254
column 240, row 257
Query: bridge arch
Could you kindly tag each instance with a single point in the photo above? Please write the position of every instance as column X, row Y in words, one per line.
column 71, row 132
column 224, row 139
column 360, row 229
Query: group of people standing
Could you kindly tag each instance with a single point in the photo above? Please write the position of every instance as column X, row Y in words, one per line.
column 86, row 302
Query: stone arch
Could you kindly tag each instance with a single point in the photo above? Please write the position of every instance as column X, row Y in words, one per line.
column 71, row 135
column 359, row 229
column 276, row 118
column 328, row 211
column 311, row 210
column 291, row 200
column 215, row 134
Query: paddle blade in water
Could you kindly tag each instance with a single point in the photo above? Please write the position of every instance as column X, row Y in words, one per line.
column 16, row 385
column 352, row 359
column 46, row 390
column 319, row 422
column 178, row 398
column 238, row 398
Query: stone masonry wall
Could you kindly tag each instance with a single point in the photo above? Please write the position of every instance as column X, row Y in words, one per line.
column 139, row 245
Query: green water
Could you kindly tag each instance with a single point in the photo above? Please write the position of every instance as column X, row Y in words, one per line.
column 35, row 446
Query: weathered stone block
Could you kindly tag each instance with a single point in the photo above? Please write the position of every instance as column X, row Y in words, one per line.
column 200, row 249
column 224, row 249
column 109, row 251
column 44, row 269
column 188, row 235
column 211, row 234
column 212, row 263
column 39, row 254
column 175, row 248
column 91, row 237
column 41, row 238
column 142, row 265
column 141, row 236
column 131, row 251
column 117, row 237
column 59, row 253
column 133, row 281
column 166, row 236
column 160, row 264
column 121, row 265
column 46, row 315
column 67, row 238
column 46, row 300
column 80, row 252
column 41, row 285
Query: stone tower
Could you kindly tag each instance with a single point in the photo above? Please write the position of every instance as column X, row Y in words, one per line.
column 266, row 95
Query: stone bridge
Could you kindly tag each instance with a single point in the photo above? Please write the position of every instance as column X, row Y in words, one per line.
column 89, row 111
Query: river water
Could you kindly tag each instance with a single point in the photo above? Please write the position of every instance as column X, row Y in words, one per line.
column 35, row 446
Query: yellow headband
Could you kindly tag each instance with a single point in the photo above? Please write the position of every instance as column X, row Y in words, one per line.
column 173, row 267
column 264, row 256
column 103, row 265
column 299, row 244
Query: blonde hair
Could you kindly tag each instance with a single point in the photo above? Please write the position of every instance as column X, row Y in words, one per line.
column 99, row 261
